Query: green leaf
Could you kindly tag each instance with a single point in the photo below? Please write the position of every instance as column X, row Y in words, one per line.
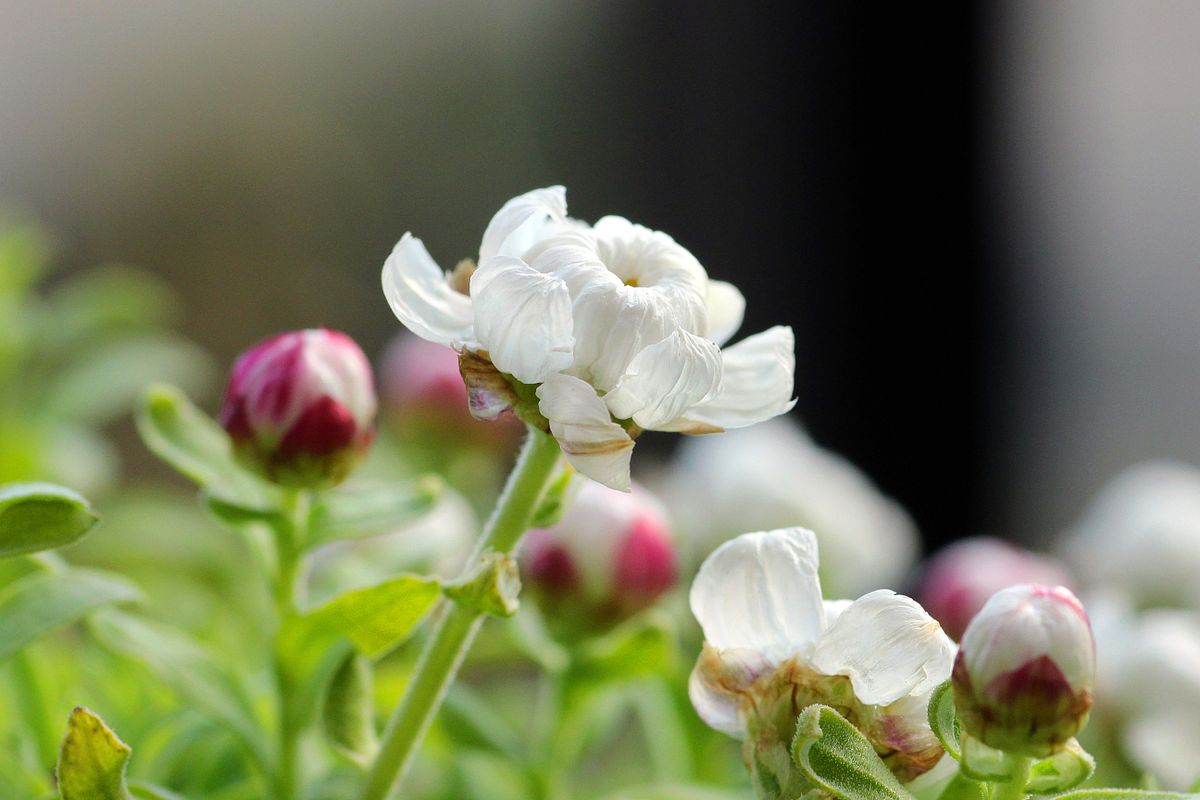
column 355, row 513
column 943, row 719
column 554, row 500
column 374, row 619
column 197, row 447
column 983, row 763
column 961, row 787
column 236, row 515
column 645, row 645
column 189, row 669
column 676, row 792
column 1064, row 770
column 91, row 763
column 837, row 758
column 108, row 378
column 40, row 603
column 1125, row 794
column 40, row 516
column 348, row 713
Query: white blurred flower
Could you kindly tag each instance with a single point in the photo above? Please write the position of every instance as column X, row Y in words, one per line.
column 1149, row 685
column 773, row 646
column 1025, row 671
column 612, row 323
column 773, row 475
column 1141, row 535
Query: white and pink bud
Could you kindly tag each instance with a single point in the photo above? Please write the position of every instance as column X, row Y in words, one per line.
column 960, row 578
column 300, row 407
column 1025, row 670
column 610, row 556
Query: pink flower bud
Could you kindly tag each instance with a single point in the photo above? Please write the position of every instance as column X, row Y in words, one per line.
column 1025, row 671
column 960, row 578
column 300, row 407
column 610, row 556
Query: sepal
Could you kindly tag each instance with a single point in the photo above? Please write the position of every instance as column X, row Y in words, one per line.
column 837, row 759
column 491, row 587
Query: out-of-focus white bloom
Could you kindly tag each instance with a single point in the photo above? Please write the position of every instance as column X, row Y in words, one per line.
column 609, row 556
column 773, row 646
column 1141, row 535
column 773, row 475
column 960, row 578
column 1149, row 686
column 300, row 407
column 613, row 323
column 1025, row 672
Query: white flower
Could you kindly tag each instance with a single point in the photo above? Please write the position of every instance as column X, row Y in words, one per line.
column 1141, row 535
column 773, row 646
column 611, row 322
column 773, row 475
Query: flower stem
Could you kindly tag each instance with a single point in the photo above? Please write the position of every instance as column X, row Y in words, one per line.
column 450, row 641
column 289, row 548
column 1014, row 787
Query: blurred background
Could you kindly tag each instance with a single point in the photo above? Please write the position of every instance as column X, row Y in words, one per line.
column 979, row 219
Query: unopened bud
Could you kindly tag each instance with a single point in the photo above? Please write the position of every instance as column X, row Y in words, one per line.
column 959, row 579
column 300, row 407
column 610, row 556
column 1025, row 671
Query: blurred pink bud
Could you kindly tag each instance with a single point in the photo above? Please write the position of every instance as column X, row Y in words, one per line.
column 300, row 407
column 1025, row 671
column 960, row 578
column 610, row 556
column 420, row 381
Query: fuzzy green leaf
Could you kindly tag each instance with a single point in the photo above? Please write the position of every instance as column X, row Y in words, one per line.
column 554, row 500
column 374, row 619
column 91, row 763
column 1064, row 770
column 43, row 602
column 1125, row 794
column 982, row 763
column 837, row 758
column 41, row 516
column 943, row 719
column 180, row 434
column 348, row 713
column 356, row 513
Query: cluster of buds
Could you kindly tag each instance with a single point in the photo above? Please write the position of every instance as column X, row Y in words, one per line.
column 300, row 407
column 610, row 556
column 1025, row 671
column 960, row 578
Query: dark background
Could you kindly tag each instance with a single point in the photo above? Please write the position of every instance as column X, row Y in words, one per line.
column 906, row 186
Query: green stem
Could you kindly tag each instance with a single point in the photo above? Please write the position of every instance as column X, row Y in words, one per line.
column 289, row 548
column 1014, row 787
column 450, row 641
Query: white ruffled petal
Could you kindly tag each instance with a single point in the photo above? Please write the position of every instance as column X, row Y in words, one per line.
column 760, row 592
column 758, row 375
column 888, row 646
column 719, row 683
column 726, row 308
column 594, row 444
column 422, row 299
column 666, row 378
column 522, row 318
column 522, row 221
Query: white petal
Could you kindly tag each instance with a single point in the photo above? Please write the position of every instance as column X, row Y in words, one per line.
column 421, row 297
column 726, row 308
column 666, row 378
column 834, row 609
column 888, row 646
column 758, row 375
column 760, row 592
column 522, row 318
column 572, row 257
column 520, row 222
column 594, row 444
column 718, row 683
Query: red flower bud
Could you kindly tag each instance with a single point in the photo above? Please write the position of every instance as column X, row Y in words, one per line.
column 300, row 407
